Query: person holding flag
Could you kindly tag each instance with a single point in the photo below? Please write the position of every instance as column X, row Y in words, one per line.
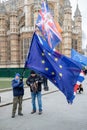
column 34, row 82
column 18, row 92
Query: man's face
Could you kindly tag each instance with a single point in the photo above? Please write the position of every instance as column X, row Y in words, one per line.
column 33, row 75
column 17, row 77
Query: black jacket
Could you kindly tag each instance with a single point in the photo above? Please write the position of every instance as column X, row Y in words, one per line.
column 34, row 83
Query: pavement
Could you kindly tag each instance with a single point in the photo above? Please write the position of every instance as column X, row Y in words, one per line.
column 7, row 96
column 57, row 113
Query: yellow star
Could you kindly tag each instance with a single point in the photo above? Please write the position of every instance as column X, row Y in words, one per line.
column 53, row 73
column 43, row 61
column 61, row 66
column 49, row 54
column 60, row 74
column 42, row 54
column 46, row 69
column 56, row 59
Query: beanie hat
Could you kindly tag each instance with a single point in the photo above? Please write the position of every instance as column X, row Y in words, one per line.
column 17, row 74
column 32, row 72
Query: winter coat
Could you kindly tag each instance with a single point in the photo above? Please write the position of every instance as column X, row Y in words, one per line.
column 18, row 88
column 34, row 83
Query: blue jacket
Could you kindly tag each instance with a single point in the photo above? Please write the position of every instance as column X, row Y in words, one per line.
column 18, row 88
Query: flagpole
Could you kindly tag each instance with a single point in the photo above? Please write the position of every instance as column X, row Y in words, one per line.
column 22, row 76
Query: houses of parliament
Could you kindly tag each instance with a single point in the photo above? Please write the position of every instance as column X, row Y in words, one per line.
column 17, row 24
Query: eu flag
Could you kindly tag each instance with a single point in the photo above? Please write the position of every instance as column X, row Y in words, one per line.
column 79, row 57
column 60, row 70
column 48, row 27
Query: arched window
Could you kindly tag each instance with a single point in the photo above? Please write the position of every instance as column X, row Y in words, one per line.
column 74, row 44
column 24, row 47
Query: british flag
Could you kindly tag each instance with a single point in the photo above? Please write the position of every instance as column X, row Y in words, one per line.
column 48, row 27
column 80, row 79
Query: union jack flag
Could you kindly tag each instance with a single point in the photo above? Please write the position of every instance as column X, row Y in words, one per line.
column 80, row 79
column 48, row 27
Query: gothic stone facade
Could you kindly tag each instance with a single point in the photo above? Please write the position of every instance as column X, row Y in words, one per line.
column 17, row 21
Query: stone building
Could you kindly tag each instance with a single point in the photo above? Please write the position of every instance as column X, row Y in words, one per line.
column 17, row 21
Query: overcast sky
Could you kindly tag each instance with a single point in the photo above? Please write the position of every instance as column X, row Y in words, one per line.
column 83, row 8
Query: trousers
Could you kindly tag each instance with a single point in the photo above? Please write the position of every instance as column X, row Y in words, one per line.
column 17, row 100
column 39, row 100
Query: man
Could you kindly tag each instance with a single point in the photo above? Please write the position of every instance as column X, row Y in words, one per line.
column 34, row 81
column 18, row 92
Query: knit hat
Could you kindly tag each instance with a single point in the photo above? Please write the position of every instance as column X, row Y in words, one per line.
column 17, row 74
column 32, row 72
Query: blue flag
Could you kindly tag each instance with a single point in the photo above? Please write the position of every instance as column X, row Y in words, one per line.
column 60, row 70
column 79, row 57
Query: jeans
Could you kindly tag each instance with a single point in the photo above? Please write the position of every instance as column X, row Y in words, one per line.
column 39, row 100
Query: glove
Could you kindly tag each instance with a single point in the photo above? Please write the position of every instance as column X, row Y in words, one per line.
column 20, row 83
column 36, row 82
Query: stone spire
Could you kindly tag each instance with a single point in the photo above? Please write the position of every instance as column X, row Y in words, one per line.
column 77, row 12
column 67, row 3
column 2, row 8
column 13, row 5
column 78, row 27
